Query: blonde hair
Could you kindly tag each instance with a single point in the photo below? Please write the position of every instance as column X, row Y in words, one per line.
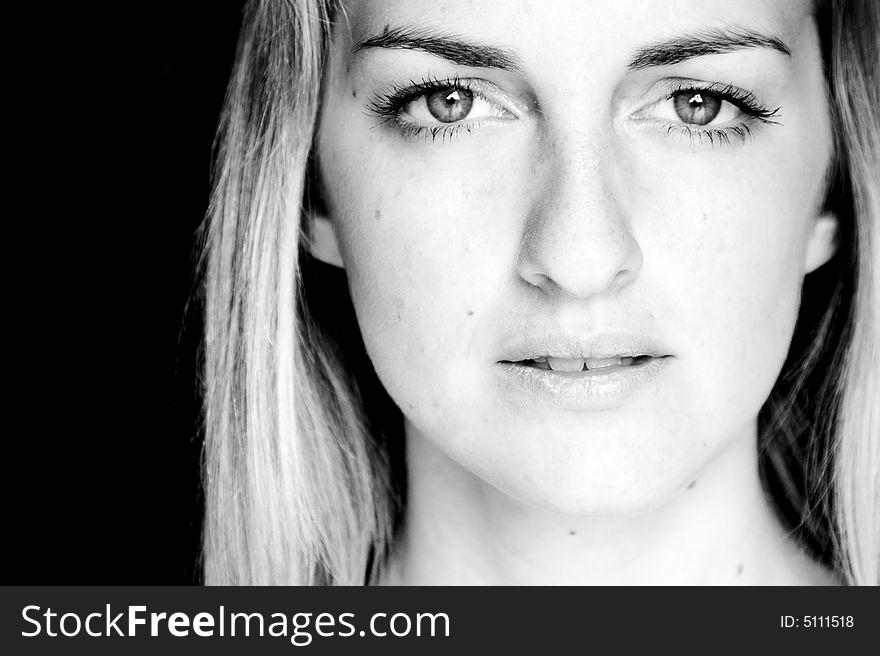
column 293, row 485
column 855, row 77
column 301, row 485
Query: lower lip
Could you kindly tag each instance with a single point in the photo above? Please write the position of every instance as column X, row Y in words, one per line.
column 582, row 391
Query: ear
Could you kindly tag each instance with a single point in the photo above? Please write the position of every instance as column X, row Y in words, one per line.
column 822, row 243
column 324, row 245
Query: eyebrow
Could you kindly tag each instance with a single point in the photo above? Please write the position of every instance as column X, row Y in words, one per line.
column 451, row 47
column 460, row 51
column 705, row 42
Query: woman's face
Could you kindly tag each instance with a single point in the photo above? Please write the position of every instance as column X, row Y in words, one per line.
column 633, row 183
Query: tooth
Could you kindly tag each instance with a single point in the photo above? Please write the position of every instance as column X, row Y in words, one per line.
column 564, row 364
column 541, row 359
column 601, row 363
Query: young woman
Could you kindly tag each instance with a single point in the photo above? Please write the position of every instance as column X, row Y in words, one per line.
column 613, row 273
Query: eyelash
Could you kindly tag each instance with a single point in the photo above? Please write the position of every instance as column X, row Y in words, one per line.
column 387, row 106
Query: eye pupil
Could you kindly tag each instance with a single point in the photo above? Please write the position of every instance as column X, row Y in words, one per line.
column 697, row 107
column 450, row 104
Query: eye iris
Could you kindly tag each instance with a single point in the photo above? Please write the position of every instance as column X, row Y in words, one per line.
column 697, row 107
column 450, row 104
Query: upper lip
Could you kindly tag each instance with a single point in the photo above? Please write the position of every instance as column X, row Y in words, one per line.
column 568, row 345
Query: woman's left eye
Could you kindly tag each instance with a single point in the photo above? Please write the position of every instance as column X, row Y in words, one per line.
column 698, row 108
column 707, row 113
column 451, row 104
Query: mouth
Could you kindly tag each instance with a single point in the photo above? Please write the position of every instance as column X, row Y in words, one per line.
column 581, row 365
column 581, row 374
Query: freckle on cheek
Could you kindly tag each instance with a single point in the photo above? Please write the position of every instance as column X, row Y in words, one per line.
column 377, row 215
column 470, row 313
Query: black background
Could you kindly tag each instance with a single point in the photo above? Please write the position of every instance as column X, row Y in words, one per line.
column 118, row 118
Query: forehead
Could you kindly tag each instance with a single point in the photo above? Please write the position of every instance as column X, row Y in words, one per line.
column 574, row 27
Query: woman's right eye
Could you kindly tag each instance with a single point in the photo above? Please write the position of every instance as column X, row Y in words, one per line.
column 440, row 109
column 451, row 105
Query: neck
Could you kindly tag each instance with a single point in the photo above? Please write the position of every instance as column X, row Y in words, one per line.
column 719, row 529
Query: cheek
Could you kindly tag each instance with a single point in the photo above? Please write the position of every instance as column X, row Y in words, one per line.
column 425, row 260
column 728, row 266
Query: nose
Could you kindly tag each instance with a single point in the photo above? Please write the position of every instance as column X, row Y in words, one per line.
column 577, row 241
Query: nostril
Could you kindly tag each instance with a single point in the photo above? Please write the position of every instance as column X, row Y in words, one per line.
column 621, row 279
column 538, row 280
column 632, row 264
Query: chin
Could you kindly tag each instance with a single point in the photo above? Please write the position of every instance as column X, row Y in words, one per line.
column 599, row 487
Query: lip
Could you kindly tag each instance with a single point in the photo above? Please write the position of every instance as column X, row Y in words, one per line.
column 573, row 346
column 597, row 389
